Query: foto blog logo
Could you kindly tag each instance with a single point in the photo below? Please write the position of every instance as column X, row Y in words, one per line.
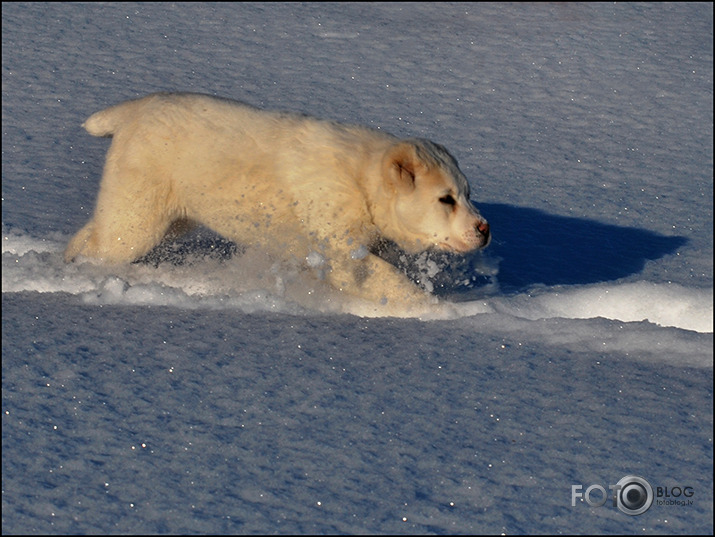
column 632, row 495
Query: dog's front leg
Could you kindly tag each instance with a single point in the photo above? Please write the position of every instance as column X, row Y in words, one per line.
column 374, row 279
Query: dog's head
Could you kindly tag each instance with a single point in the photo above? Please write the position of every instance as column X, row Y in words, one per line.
column 429, row 205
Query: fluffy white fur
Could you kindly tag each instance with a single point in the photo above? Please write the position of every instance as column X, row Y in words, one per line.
column 292, row 184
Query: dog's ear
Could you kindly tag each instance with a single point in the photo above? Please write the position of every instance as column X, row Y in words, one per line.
column 401, row 165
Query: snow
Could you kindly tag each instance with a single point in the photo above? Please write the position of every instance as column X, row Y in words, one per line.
column 212, row 390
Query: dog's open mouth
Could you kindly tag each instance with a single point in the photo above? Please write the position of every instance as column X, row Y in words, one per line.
column 464, row 246
column 448, row 247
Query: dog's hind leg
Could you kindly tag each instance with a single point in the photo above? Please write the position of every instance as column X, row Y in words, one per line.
column 132, row 216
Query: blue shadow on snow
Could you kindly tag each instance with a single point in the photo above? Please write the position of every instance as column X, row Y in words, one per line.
column 540, row 248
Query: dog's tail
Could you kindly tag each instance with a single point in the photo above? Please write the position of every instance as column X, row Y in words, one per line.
column 108, row 121
column 105, row 122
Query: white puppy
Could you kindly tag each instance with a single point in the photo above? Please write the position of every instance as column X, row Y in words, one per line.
column 298, row 186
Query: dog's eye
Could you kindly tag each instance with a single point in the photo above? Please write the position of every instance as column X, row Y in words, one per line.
column 448, row 200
